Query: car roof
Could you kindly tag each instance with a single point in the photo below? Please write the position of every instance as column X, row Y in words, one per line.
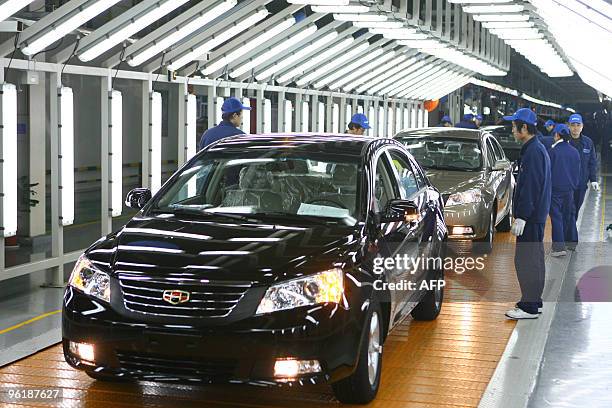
column 441, row 132
column 345, row 144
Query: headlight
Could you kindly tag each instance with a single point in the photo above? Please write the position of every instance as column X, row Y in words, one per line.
column 464, row 197
column 323, row 287
column 90, row 280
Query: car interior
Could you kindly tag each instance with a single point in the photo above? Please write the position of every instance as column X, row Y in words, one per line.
column 446, row 153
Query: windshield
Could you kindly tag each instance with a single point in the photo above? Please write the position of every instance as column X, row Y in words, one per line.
column 445, row 153
column 283, row 183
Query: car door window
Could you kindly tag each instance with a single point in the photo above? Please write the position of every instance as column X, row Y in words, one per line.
column 383, row 187
column 408, row 184
column 490, row 152
column 499, row 152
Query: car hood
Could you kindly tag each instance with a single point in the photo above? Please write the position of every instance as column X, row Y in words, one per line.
column 448, row 182
column 217, row 250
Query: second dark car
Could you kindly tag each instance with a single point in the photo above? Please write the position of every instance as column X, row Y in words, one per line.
column 259, row 261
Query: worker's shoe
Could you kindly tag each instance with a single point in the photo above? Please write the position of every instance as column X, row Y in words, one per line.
column 517, row 314
column 540, row 307
column 558, row 254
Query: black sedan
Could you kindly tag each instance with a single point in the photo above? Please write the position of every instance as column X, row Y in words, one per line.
column 264, row 260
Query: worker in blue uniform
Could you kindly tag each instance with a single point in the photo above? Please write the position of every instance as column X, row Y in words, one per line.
column 358, row 125
column 446, row 121
column 231, row 115
column 531, row 204
column 549, row 125
column 588, row 159
column 565, row 173
column 467, row 122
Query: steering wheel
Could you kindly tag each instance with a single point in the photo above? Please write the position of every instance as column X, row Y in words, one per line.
column 336, row 203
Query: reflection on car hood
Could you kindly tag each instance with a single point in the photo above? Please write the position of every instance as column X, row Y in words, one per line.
column 218, row 250
column 449, row 182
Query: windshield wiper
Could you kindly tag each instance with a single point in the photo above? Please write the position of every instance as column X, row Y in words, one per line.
column 203, row 213
column 298, row 217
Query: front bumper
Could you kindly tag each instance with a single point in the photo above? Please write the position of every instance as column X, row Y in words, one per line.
column 473, row 215
column 244, row 352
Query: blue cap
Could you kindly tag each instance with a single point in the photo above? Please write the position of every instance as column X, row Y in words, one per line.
column 361, row 120
column 446, row 119
column 561, row 129
column 549, row 123
column 575, row 118
column 468, row 116
column 479, row 117
column 232, row 104
column 524, row 114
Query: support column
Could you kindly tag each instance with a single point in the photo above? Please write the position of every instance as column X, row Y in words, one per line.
column 385, row 119
column 314, row 113
column 212, row 109
column 37, row 118
column 329, row 113
column 343, row 120
column 374, row 119
column 298, row 112
column 260, row 111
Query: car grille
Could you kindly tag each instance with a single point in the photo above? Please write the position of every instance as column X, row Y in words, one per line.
column 168, row 366
column 210, row 299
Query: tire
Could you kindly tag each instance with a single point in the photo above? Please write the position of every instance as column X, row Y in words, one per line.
column 361, row 387
column 107, row 377
column 430, row 306
column 505, row 224
column 485, row 244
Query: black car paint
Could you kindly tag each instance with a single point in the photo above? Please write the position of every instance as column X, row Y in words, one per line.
column 243, row 341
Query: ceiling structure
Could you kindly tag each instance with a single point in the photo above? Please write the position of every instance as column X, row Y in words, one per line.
column 415, row 49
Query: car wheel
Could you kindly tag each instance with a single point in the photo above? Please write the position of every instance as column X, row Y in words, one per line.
column 505, row 224
column 106, row 377
column 361, row 386
column 485, row 245
column 430, row 306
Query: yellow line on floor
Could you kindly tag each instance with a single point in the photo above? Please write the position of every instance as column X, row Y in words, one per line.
column 32, row 320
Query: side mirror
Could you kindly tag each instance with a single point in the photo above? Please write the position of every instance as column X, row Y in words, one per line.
column 401, row 211
column 138, row 198
column 501, row 165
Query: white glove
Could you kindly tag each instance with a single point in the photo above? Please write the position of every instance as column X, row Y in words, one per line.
column 595, row 185
column 517, row 227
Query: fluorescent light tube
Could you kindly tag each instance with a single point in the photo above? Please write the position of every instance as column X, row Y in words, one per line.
column 129, row 28
column 10, row 7
column 332, row 64
column 219, row 39
column 156, row 141
column 275, row 50
column 305, row 116
column 66, row 131
column 288, row 116
column 249, row 45
column 417, row 44
column 360, row 17
column 340, row 9
column 378, row 24
column 349, row 68
column 335, row 118
column 317, row 59
column 116, row 135
column 182, row 32
column 497, row 8
column 8, row 130
column 501, row 17
column 368, row 67
column 267, row 125
column 320, row 2
column 246, row 116
column 60, row 29
column 479, row 1
column 321, row 118
column 297, row 56
column 507, row 24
